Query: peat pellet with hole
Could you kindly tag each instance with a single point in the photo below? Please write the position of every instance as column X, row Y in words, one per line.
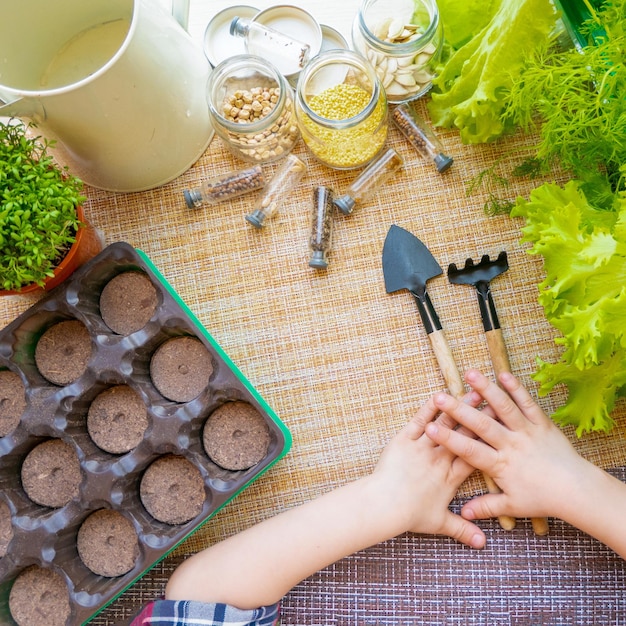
column 39, row 596
column 12, row 401
column 181, row 368
column 63, row 352
column 117, row 419
column 6, row 528
column 172, row 490
column 236, row 436
column 107, row 543
column 51, row 473
column 128, row 302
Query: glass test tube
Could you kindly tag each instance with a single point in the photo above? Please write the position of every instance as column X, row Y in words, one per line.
column 286, row 177
column 320, row 240
column 420, row 136
column 224, row 187
column 369, row 180
column 269, row 43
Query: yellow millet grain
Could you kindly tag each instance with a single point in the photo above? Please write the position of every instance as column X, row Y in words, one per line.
column 349, row 147
column 340, row 102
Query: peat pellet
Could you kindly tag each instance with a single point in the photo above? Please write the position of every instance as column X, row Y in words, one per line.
column 107, row 543
column 51, row 473
column 6, row 528
column 117, row 419
column 172, row 490
column 63, row 352
column 128, row 302
column 39, row 596
column 236, row 436
column 12, row 401
column 181, row 368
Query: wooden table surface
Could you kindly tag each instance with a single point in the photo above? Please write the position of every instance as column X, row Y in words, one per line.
column 343, row 363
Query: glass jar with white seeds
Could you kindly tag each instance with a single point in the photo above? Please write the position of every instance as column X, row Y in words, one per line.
column 403, row 40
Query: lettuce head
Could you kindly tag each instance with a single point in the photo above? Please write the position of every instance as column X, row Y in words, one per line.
column 470, row 90
column 583, row 296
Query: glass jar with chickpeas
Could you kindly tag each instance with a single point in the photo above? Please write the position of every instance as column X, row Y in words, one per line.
column 341, row 109
column 252, row 110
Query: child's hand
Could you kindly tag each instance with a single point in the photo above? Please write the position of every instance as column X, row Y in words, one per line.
column 417, row 479
column 526, row 454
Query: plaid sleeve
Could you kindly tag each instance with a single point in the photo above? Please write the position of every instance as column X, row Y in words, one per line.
column 191, row 613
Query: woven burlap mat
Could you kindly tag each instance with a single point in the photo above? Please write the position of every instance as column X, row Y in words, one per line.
column 344, row 364
column 518, row 579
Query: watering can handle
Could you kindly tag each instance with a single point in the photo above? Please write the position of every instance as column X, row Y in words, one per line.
column 180, row 11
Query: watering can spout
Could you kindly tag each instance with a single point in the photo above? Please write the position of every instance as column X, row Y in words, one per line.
column 180, row 11
column 22, row 107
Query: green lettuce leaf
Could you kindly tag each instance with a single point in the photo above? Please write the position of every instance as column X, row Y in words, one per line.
column 583, row 296
column 462, row 19
column 470, row 90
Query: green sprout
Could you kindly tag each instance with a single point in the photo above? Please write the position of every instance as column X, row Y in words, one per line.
column 38, row 201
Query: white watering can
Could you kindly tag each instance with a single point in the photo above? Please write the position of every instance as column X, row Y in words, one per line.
column 119, row 84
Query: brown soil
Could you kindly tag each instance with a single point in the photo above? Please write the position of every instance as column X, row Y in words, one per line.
column 172, row 490
column 63, row 352
column 128, row 302
column 107, row 543
column 51, row 473
column 181, row 368
column 39, row 596
column 12, row 401
column 6, row 528
column 236, row 436
column 117, row 419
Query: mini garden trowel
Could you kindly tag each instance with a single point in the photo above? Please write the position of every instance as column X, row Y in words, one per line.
column 408, row 264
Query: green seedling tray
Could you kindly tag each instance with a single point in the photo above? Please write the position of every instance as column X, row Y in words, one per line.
column 47, row 537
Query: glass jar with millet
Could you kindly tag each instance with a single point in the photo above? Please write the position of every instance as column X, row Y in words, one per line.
column 341, row 109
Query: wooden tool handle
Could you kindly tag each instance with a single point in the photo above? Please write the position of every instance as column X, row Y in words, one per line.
column 540, row 525
column 447, row 364
column 454, row 382
column 497, row 351
column 500, row 361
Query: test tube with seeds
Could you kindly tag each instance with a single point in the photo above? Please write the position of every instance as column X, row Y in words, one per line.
column 269, row 43
column 420, row 136
column 224, row 187
column 369, row 181
column 320, row 240
column 284, row 180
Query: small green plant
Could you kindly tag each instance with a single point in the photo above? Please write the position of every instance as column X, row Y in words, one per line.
column 38, row 201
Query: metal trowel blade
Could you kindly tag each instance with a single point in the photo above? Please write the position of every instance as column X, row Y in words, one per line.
column 407, row 262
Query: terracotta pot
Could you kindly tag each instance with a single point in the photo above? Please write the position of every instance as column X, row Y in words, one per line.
column 88, row 243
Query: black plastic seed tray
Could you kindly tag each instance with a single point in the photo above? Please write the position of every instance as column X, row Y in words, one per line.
column 45, row 536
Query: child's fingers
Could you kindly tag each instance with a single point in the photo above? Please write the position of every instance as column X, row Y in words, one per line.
column 463, row 531
column 425, row 414
column 525, row 402
column 472, row 451
column 480, row 423
column 484, row 507
column 471, row 398
column 500, row 400
column 429, row 412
